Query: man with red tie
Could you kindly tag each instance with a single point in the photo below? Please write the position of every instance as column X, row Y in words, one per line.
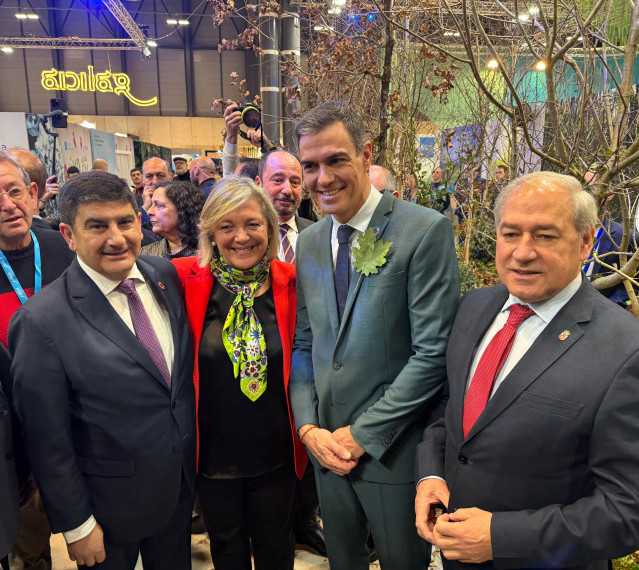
column 536, row 458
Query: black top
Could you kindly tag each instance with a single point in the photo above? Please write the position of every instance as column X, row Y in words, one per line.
column 55, row 257
column 238, row 437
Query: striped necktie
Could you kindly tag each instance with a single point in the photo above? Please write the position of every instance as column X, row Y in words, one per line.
column 287, row 248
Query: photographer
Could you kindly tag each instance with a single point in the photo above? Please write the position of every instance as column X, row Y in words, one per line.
column 230, row 155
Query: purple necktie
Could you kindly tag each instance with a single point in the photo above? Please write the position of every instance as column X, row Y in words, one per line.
column 287, row 248
column 143, row 328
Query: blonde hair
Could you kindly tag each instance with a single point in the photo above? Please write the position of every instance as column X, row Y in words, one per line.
column 229, row 194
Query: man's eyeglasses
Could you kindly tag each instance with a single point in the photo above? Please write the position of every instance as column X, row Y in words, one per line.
column 15, row 194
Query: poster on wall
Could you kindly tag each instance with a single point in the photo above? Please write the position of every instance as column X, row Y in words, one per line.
column 144, row 151
column 75, row 142
column 103, row 146
column 13, row 131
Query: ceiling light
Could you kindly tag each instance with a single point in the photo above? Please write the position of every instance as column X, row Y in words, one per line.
column 318, row 28
column 492, row 64
column 6, row 49
column 523, row 17
column 120, row 134
column 456, row 34
column 541, row 65
column 448, row 33
column 21, row 16
column 183, row 22
column 151, row 43
column 335, row 11
column 580, row 38
column 87, row 125
column 534, row 10
column 146, row 52
column 33, row 16
column 339, row 2
column 170, row 21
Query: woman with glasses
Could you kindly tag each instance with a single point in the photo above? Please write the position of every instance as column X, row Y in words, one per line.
column 241, row 307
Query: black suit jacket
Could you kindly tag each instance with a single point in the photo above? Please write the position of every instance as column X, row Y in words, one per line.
column 8, row 481
column 554, row 456
column 103, row 432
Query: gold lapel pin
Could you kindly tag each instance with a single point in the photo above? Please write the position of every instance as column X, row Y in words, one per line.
column 564, row 335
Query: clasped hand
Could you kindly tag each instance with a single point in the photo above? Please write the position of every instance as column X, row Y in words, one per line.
column 337, row 451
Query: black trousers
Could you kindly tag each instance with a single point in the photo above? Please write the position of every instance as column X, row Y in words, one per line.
column 250, row 514
column 306, row 502
column 168, row 549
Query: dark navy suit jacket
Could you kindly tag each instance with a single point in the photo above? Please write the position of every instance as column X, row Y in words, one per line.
column 104, row 434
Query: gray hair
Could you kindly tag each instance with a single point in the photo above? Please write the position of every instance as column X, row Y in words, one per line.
column 326, row 115
column 583, row 203
column 6, row 156
column 228, row 195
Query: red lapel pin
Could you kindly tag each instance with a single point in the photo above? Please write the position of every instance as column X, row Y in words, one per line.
column 161, row 285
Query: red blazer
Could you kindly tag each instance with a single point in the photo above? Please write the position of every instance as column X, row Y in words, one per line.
column 196, row 283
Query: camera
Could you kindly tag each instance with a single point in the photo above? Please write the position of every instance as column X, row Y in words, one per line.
column 251, row 115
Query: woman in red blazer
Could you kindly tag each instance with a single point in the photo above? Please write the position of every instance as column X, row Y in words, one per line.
column 241, row 304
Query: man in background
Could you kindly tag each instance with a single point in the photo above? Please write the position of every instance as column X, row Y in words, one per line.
column 100, row 164
column 181, row 169
column 203, row 174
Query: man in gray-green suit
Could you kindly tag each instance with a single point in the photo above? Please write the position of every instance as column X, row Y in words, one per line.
column 368, row 363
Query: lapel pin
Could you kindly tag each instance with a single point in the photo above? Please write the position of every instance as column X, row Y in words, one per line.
column 564, row 335
column 376, row 230
column 163, row 287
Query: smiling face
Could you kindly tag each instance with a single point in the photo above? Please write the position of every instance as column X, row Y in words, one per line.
column 335, row 174
column 242, row 236
column 106, row 236
column 282, row 180
column 16, row 213
column 163, row 215
column 538, row 249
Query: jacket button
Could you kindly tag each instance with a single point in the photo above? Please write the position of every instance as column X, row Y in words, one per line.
column 337, row 365
column 177, row 447
column 462, row 459
column 173, row 406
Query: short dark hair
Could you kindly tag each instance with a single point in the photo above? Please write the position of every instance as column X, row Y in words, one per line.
column 327, row 114
column 188, row 201
column 249, row 169
column 135, row 170
column 93, row 186
column 261, row 167
column 73, row 170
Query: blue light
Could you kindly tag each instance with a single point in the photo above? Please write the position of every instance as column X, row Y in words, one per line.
column 371, row 16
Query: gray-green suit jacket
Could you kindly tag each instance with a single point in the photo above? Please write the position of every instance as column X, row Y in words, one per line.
column 382, row 369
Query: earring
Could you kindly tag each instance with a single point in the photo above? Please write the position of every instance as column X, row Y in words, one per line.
column 213, row 242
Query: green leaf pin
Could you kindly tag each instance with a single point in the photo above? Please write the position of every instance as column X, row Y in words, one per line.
column 370, row 254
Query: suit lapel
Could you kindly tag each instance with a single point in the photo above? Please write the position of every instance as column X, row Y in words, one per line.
column 543, row 353
column 473, row 332
column 378, row 222
column 96, row 309
column 160, row 293
column 327, row 270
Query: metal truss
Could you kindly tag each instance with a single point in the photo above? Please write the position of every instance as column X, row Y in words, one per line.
column 136, row 41
column 69, row 43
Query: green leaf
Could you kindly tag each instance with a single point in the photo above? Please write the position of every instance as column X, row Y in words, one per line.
column 370, row 254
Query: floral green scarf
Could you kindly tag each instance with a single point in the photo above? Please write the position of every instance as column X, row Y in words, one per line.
column 242, row 334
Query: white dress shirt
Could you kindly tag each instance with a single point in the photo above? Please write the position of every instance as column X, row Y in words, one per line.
column 291, row 234
column 359, row 222
column 526, row 334
column 159, row 318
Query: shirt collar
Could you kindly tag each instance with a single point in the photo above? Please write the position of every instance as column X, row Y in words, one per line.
column 291, row 223
column 105, row 284
column 548, row 309
column 363, row 216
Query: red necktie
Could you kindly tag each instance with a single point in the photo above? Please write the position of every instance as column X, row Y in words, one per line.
column 287, row 248
column 490, row 364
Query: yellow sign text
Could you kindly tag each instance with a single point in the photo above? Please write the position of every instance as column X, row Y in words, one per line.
column 105, row 82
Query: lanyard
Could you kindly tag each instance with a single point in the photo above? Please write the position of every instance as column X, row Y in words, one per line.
column 11, row 276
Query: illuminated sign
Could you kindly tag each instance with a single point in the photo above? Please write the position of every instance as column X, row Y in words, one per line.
column 105, row 82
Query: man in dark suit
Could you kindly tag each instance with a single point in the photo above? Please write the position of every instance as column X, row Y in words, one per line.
column 106, row 403
column 280, row 174
column 368, row 355
column 536, row 458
